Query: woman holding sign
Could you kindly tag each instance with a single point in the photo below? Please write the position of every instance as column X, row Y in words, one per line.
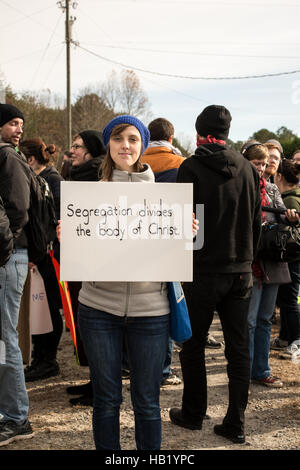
column 138, row 311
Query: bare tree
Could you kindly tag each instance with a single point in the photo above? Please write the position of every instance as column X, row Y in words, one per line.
column 90, row 112
column 185, row 144
column 2, row 87
column 124, row 94
column 110, row 91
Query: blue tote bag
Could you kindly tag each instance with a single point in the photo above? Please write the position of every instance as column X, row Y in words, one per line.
column 180, row 325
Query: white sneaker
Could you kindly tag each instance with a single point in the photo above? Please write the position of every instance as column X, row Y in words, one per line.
column 292, row 352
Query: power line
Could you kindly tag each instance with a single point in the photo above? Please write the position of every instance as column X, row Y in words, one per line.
column 209, row 3
column 30, row 17
column 52, row 66
column 209, row 54
column 8, row 25
column 24, row 56
column 184, row 76
column 46, row 49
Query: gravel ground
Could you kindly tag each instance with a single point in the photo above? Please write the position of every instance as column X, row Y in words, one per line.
column 272, row 416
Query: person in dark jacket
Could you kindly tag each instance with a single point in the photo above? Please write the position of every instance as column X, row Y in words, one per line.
column 15, row 182
column 228, row 187
column 87, row 153
column 287, row 180
column 267, row 275
column 44, row 362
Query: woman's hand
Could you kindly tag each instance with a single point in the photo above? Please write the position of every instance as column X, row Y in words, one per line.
column 195, row 225
column 292, row 216
column 58, row 231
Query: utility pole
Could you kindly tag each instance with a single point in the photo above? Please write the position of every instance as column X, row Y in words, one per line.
column 65, row 6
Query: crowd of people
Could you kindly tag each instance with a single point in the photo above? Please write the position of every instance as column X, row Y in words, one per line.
column 229, row 276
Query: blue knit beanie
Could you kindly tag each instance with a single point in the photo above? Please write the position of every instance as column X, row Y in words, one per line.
column 126, row 119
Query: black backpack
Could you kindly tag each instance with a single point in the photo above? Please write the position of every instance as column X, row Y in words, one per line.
column 279, row 242
column 41, row 227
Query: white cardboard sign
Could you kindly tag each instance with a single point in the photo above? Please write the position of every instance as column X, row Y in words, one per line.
column 126, row 231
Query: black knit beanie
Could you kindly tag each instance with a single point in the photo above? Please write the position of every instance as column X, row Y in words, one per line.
column 93, row 142
column 214, row 120
column 9, row 112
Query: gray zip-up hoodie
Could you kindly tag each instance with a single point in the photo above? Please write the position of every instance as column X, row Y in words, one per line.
column 132, row 299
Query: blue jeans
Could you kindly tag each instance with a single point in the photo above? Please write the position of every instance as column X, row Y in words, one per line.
column 261, row 310
column 146, row 344
column 168, row 359
column 13, row 394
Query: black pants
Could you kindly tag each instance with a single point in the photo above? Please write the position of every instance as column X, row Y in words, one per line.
column 45, row 345
column 229, row 295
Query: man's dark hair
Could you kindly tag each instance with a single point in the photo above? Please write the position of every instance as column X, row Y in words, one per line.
column 160, row 129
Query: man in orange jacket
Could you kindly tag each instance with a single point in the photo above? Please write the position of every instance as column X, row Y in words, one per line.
column 163, row 158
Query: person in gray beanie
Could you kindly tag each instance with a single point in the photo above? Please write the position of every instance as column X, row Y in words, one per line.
column 15, row 182
column 275, row 157
column 227, row 186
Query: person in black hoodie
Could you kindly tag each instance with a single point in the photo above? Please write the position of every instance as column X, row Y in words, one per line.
column 44, row 362
column 228, row 187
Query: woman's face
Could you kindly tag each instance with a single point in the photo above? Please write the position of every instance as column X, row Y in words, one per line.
column 260, row 165
column 125, row 148
column 79, row 153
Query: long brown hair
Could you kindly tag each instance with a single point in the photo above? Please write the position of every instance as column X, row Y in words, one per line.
column 107, row 167
column 38, row 149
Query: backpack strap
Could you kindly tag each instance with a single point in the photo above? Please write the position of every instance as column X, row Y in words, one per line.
column 4, row 144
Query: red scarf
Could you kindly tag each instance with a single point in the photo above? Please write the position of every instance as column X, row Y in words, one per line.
column 256, row 268
column 263, row 194
column 209, row 140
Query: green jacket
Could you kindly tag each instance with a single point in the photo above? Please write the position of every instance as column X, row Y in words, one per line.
column 291, row 198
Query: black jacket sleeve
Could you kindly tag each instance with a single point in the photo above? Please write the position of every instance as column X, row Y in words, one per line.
column 6, row 236
column 15, row 180
column 54, row 184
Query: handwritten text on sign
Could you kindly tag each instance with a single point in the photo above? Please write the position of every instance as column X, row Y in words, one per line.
column 126, row 231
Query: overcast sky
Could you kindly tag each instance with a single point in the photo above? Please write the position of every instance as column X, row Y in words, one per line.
column 192, row 39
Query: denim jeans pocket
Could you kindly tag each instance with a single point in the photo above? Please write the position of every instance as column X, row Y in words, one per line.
column 21, row 274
